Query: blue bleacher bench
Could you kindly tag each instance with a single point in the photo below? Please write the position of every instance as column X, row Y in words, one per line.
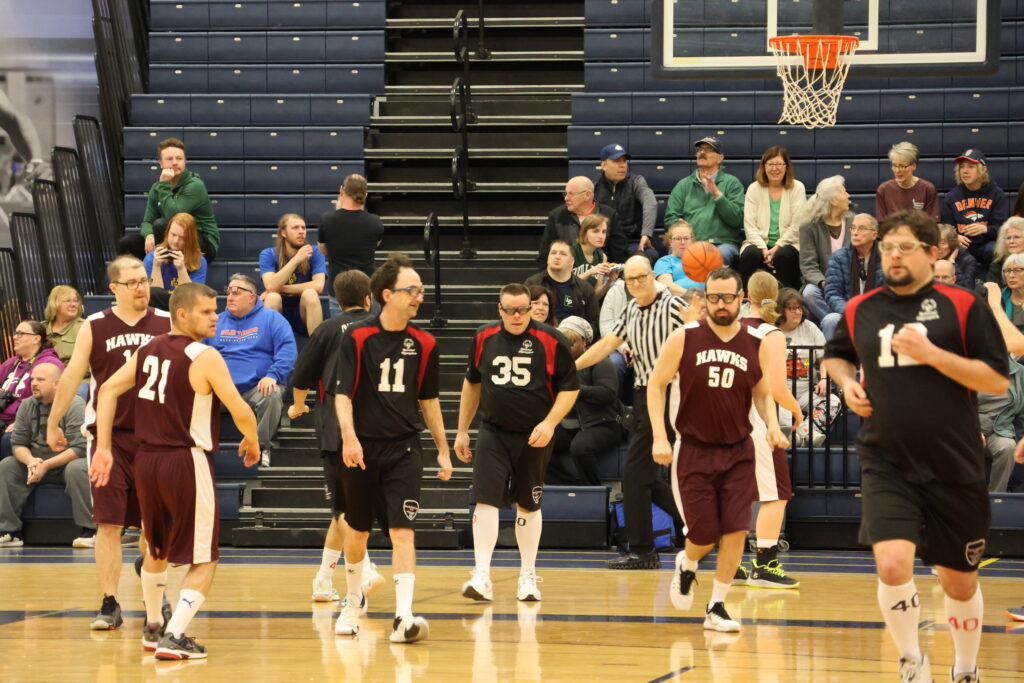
column 49, row 501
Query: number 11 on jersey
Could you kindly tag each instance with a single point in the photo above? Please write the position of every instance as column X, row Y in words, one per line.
column 385, row 371
column 888, row 359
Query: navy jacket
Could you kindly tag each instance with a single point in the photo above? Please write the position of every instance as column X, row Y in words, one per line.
column 838, row 289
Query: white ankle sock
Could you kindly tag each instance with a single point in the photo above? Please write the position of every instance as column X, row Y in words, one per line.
column 767, row 542
column 901, row 609
column 328, row 562
column 528, row 528
column 405, row 585
column 718, row 591
column 189, row 602
column 964, row 618
column 153, row 587
column 354, row 577
column 485, row 535
column 688, row 564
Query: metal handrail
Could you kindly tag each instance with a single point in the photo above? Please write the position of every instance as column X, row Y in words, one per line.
column 432, row 255
column 460, row 99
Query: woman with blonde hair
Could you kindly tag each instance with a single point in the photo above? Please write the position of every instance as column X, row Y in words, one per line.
column 763, row 293
column 63, row 320
column 179, row 255
column 668, row 269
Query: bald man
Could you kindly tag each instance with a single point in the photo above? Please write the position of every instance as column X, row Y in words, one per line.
column 564, row 221
column 945, row 272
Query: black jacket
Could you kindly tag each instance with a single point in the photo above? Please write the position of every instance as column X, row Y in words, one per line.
column 563, row 225
column 598, row 401
column 634, row 202
column 582, row 293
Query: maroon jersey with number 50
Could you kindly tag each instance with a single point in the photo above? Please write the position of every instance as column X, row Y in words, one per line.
column 113, row 343
column 715, row 384
column 169, row 412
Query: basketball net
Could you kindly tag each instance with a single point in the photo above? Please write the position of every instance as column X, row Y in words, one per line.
column 813, row 70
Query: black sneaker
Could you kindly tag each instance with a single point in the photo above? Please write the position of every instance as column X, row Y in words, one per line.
column 109, row 617
column 741, row 576
column 138, row 566
column 770, row 575
column 649, row 560
column 179, row 648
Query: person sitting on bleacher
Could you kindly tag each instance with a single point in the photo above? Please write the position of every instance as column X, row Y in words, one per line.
column 711, row 201
column 34, row 463
column 178, row 255
column 593, row 426
column 293, row 274
column 905, row 191
column 800, row 332
column 63, row 320
column 591, row 261
column 177, row 191
column 668, row 270
column 259, row 348
column 964, row 264
column 852, row 270
column 1009, row 241
column 770, row 204
column 1013, row 291
column 573, row 296
column 945, row 272
column 542, row 303
column 31, row 348
column 564, row 221
column 976, row 206
column 825, row 222
column 1002, row 417
column 633, row 199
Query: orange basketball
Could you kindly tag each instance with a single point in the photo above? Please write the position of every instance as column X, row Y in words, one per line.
column 699, row 259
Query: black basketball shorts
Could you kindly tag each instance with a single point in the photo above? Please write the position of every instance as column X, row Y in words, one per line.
column 391, row 478
column 334, row 490
column 506, row 467
column 948, row 522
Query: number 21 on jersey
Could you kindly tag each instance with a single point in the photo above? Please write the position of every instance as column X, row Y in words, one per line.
column 888, row 359
column 156, row 373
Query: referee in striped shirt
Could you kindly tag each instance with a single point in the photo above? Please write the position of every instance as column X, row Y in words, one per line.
column 644, row 324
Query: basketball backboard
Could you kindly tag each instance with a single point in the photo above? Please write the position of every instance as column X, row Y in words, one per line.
column 729, row 38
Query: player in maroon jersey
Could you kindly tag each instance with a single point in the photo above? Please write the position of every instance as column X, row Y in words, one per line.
column 178, row 382
column 104, row 344
column 719, row 365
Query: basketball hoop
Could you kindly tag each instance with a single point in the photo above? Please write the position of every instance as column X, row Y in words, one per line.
column 813, row 70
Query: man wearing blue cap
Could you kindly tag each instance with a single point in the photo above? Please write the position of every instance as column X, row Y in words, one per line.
column 711, row 201
column 633, row 200
column 977, row 207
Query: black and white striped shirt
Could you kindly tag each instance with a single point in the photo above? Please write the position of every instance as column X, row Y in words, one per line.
column 645, row 329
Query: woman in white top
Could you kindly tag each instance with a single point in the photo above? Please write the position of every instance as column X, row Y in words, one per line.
column 800, row 331
column 825, row 222
column 773, row 237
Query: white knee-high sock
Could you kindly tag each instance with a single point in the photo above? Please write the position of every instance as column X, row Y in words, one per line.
column 328, row 562
column 964, row 618
column 901, row 609
column 153, row 587
column 405, row 585
column 485, row 535
column 528, row 528
column 189, row 602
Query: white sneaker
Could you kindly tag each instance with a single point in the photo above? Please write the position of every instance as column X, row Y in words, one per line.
column 528, row 591
column 409, row 629
column 265, row 458
column 84, row 541
column 372, row 579
column 479, row 587
column 348, row 620
column 681, row 589
column 11, row 541
column 969, row 677
column 717, row 619
column 324, row 590
column 915, row 671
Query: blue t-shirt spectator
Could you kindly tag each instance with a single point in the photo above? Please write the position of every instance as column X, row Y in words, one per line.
column 673, row 265
column 170, row 273
column 317, row 265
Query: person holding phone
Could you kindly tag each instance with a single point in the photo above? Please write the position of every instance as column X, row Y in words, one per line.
column 178, row 256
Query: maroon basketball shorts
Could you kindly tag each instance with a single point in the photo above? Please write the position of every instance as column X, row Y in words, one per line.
column 179, row 504
column 116, row 503
column 771, row 465
column 713, row 487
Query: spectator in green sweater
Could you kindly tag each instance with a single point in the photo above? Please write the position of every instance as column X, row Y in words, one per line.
column 178, row 190
column 711, row 201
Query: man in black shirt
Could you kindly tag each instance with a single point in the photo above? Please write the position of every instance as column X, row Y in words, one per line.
column 316, row 366
column 633, row 199
column 349, row 236
column 573, row 296
column 387, row 374
column 922, row 461
column 522, row 378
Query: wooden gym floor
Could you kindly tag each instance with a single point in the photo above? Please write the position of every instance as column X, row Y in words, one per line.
column 593, row 624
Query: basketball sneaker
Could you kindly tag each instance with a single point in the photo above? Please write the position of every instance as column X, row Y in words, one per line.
column 348, row 620
column 969, row 677
column 86, row 540
column 324, row 590
column 479, row 587
column 409, row 629
column 769, row 575
column 372, row 580
column 182, row 647
column 915, row 671
column 717, row 619
column 528, row 591
column 151, row 635
column 681, row 591
column 741, row 576
column 1015, row 613
column 11, row 541
column 109, row 617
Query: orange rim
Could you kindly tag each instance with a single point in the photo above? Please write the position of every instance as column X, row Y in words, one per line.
column 819, row 52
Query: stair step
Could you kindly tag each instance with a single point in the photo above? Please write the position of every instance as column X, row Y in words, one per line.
column 489, row 23
column 503, row 188
column 482, row 119
column 518, row 89
column 505, row 56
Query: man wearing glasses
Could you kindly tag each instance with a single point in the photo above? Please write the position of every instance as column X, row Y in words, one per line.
column 564, row 221
column 522, row 378
column 922, row 461
column 105, row 342
column 258, row 345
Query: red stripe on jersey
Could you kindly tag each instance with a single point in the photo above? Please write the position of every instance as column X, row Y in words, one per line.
column 360, row 336
column 428, row 344
column 550, row 344
column 962, row 301
column 851, row 311
column 481, row 337
column 320, row 390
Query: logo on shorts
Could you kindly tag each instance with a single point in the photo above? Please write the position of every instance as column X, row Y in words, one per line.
column 527, row 347
column 409, row 347
column 973, row 551
column 411, row 508
column 538, row 491
column 928, row 311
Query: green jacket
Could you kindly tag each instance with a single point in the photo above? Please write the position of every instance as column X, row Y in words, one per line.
column 1010, row 422
column 718, row 222
column 188, row 196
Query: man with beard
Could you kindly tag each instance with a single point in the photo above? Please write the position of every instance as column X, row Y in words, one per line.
column 293, row 274
column 719, row 363
column 922, row 462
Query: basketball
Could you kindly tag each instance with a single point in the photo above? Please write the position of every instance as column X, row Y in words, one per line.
column 699, row 259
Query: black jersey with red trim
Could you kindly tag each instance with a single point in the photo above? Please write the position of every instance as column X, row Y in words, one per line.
column 922, row 422
column 386, row 374
column 521, row 373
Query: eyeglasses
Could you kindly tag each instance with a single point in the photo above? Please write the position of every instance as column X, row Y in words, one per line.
column 512, row 310
column 680, row 239
column 135, row 284
column 414, row 292
column 69, row 301
column 776, row 164
column 726, row 298
column 946, row 278
column 863, row 228
column 901, row 167
column 235, row 291
column 1013, row 237
column 904, row 247
column 637, row 279
column 19, row 333
column 794, row 308
column 573, row 194
column 1013, row 271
